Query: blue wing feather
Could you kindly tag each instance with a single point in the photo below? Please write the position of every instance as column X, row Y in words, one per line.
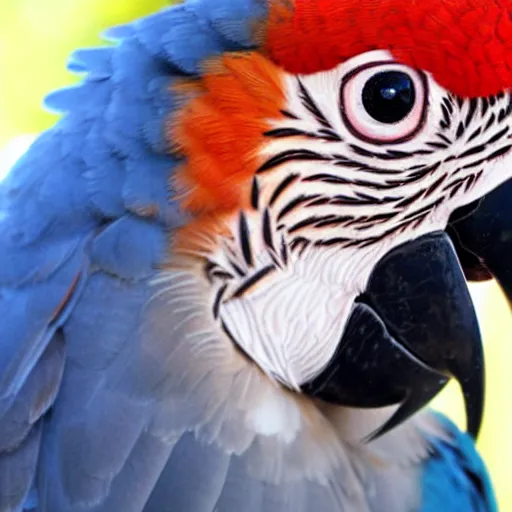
column 455, row 477
column 95, row 62
column 91, row 198
column 119, row 33
column 234, row 20
column 17, row 471
column 117, row 249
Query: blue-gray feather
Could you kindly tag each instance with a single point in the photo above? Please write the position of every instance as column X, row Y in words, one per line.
column 86, row 212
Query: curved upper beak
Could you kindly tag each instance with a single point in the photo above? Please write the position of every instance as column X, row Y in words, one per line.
column 415, row 327
column 412, row 329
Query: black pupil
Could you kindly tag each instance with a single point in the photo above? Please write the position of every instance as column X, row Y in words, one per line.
column 389, row 96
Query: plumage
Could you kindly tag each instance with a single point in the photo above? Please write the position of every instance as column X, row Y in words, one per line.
column 183, row 249
column 455, row 477
column 331, row 32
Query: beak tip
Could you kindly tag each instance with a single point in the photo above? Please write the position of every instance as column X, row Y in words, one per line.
column 471, row 379
column 415, row 400
column 474, row 416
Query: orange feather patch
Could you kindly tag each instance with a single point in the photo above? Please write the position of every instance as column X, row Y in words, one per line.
column 220, row 130
column 465, row 44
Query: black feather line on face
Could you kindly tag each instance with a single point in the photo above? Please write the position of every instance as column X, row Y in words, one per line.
column 255, row 193
column 310, row 105
column 293, row 155
column 253, row 280
column 281, row 187
column 375, row 161
column 218, row 300
column 245, row 239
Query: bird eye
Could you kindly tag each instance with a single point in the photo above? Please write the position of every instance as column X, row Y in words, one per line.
column 389, row 96
column 384, row 102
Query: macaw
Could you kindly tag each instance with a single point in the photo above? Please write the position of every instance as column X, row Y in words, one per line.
column 234, row 273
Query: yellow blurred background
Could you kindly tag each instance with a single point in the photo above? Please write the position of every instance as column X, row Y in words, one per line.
column 36, row 38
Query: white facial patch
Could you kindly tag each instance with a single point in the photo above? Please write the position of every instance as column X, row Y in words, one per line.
column 291, row 326
column 338, row 190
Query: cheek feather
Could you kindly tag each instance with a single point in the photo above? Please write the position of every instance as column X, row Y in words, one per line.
column 200, row 237
column 220, row 129
column 465, row 44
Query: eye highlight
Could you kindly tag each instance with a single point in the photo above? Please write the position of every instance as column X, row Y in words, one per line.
column 384, row 102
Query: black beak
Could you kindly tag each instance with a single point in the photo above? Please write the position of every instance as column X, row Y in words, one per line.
column 413, row 329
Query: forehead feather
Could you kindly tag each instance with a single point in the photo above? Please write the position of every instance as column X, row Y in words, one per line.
column 465, row 44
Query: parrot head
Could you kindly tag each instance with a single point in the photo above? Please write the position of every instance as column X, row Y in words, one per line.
column 345, row 176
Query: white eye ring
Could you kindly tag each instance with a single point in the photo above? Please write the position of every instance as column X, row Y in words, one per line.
column 366, row 127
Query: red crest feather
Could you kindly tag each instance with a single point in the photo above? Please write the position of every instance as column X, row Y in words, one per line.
column 465, row 44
